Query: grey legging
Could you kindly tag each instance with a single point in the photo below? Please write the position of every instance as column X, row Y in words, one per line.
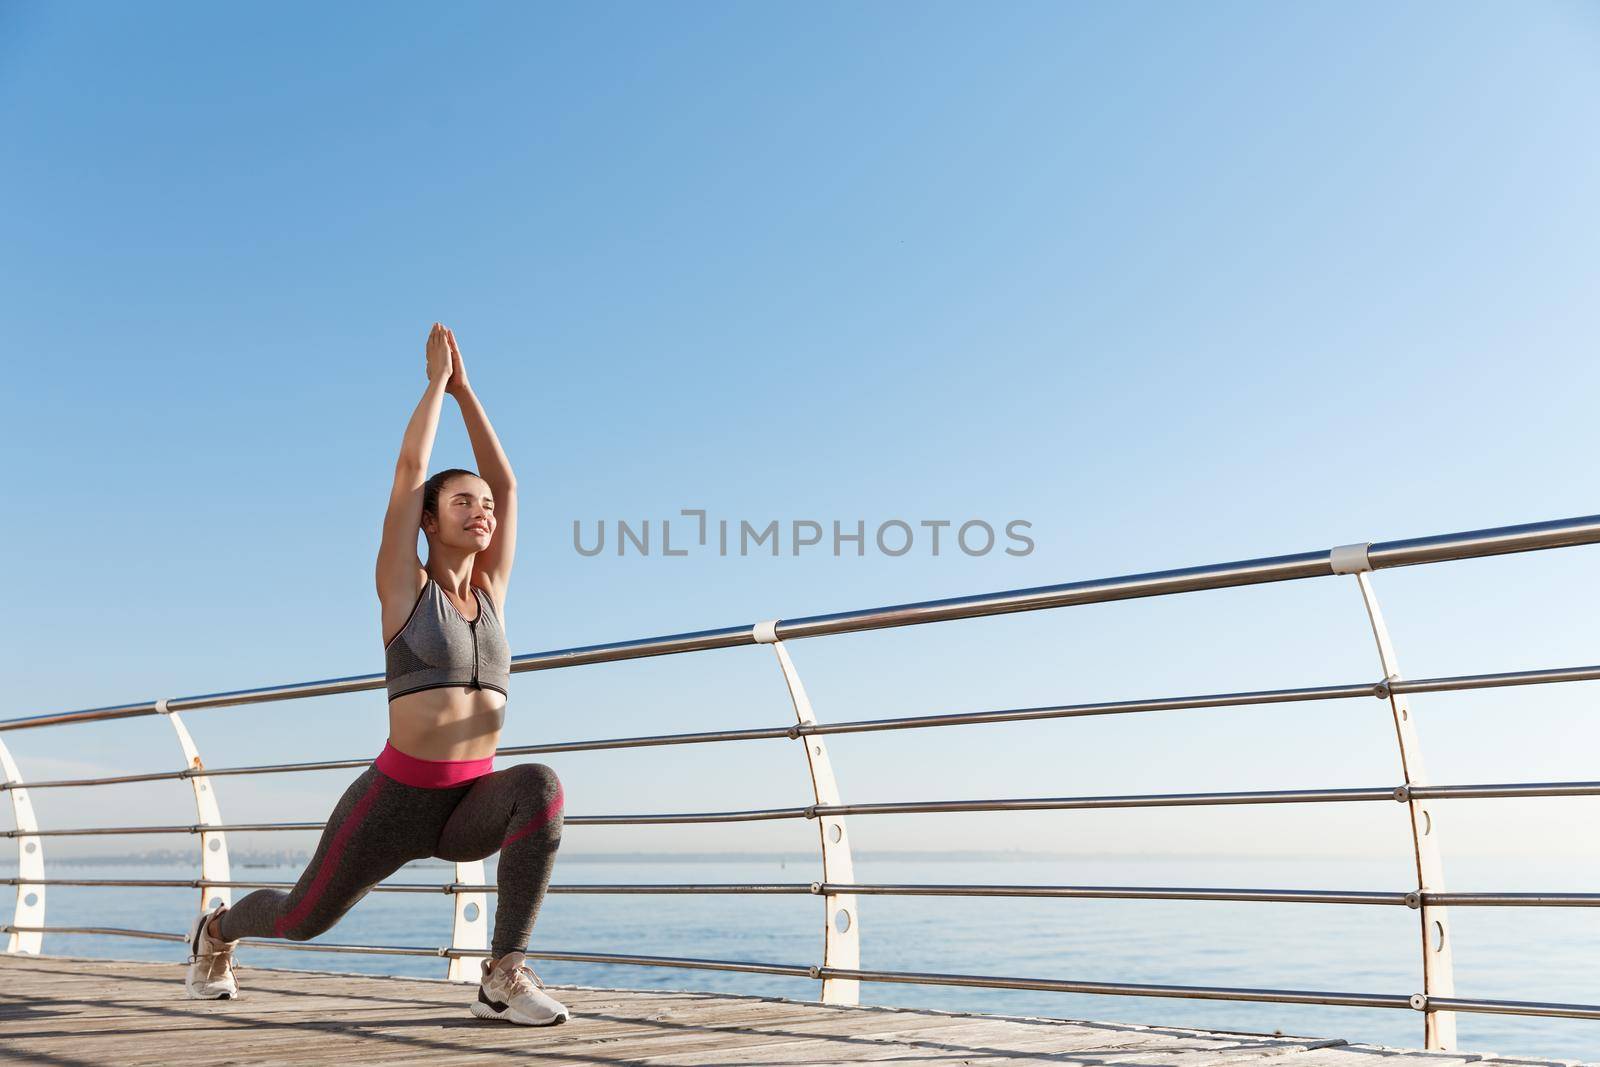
column 380, row 824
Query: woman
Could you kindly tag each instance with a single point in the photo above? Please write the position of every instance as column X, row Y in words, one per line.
column 433, row 791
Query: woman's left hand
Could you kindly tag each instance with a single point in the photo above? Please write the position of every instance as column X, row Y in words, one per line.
column 458, row 370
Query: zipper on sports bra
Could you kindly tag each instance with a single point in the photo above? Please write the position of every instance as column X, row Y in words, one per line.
column 473, row 626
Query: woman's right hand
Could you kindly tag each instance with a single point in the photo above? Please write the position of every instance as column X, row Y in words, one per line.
column 439, row 357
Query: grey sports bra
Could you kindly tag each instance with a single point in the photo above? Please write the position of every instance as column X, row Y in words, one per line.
column 439, row 647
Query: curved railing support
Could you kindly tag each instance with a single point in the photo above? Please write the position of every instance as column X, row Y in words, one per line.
column 214, row 866
column 1438, row 971
column 841, row 922
column 30, row 864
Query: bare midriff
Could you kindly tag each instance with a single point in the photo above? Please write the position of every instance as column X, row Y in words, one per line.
column 448, row 723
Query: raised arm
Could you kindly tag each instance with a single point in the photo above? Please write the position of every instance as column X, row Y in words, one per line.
column 492, row 567
column 399, row 572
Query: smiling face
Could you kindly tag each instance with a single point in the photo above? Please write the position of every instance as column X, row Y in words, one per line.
column 465, row 518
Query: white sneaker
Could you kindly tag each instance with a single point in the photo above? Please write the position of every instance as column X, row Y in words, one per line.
column 516, row 994
column 210, row 962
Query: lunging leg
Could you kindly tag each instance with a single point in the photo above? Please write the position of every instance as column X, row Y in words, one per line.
column 517, row 812
column 375, row 828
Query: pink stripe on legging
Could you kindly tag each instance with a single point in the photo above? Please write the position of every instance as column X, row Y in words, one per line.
column 538, row 820
column 330, row 860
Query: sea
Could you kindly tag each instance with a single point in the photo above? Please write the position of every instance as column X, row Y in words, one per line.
column 1503, row 953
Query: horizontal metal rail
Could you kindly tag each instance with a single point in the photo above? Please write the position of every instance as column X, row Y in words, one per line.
column 190, row 772
column 192, row 828
column 1399, row 793
column 1380, row 690
column 760, row 888
column 1493, row 681
column 1415, row 1001
column 1382, row 555
column 1403, row 898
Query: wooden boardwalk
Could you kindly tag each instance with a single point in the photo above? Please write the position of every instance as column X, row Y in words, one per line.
column 65, row 1011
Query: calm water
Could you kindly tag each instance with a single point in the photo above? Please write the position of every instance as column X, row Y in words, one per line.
column 1500, row 953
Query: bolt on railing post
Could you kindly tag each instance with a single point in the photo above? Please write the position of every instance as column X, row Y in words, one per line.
column 214, row 865
column 841, row 946
column 30, row 864
column 1438, row 972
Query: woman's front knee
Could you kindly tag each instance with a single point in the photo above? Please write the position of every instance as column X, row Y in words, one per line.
column 539, row 779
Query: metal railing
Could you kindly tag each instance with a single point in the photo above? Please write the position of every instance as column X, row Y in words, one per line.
column 839, row 970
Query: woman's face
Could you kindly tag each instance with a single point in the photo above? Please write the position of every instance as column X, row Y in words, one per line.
column 466, row 514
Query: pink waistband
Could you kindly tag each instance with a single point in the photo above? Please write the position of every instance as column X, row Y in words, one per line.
column 430, row 773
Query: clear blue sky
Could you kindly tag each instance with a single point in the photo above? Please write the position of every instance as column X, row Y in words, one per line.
column 1173, row 284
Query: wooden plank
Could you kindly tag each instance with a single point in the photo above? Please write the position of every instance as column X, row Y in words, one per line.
column 993, row 1038
column 976, row 1038
column 377, row 1039
column 1360, row 1055
column 932, row 1043
column 1354, row 1056
column 562, row 1048
column 283, row 1013
column 928, row 1035
column 1202, row 1048
column 701, row 1044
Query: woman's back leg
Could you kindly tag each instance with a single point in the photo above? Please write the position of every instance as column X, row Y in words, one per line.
column 372, row 833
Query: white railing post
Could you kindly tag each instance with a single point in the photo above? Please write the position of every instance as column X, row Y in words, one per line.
column 30, row 863
column 841, row 945
column 214, row 866
column 470, row 929
column 1438, row 972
